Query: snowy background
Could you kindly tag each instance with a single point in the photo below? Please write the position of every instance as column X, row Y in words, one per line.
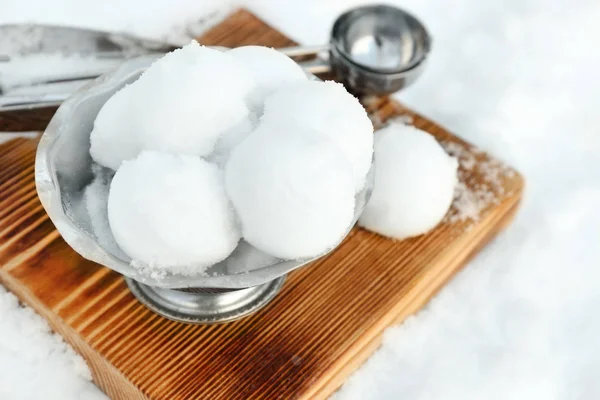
column 520, row 78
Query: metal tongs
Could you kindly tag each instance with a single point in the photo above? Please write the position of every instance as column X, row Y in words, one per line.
column 41, row 65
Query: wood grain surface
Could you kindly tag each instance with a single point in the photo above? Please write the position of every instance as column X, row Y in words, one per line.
column 325, row 322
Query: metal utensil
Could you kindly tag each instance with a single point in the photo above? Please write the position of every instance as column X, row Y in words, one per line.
column 63, row 168
column 375, row 50
column 24, row 39
column 68, row 58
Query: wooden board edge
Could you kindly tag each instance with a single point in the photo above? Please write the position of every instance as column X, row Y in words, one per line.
column 108, row 378
column 371, row 340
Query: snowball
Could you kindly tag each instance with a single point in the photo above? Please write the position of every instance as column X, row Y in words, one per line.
column 329, row 109
column 112, row 139
column 171, row 212
column 270, row 68
column 180, row 105
column 294, row 193
column 414, row 183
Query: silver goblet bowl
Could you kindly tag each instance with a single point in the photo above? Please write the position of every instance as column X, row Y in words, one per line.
column 229, row 290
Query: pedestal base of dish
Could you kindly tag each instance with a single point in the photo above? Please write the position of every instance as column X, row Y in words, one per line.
column 203, row 305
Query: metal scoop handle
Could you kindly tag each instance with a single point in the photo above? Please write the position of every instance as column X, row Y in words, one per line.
column 42, row 98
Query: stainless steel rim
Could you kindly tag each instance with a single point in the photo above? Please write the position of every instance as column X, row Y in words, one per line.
column 417, row 30
column 205, row 306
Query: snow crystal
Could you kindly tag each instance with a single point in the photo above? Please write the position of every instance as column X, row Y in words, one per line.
column 328, row 108
column 151, row 270
column 293, row 191
column 472, row 198
column 270, row 68
column 414, row 183
column 180, row 105
column 171, row 213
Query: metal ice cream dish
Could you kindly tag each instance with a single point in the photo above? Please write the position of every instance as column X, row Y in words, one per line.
column 226, row 291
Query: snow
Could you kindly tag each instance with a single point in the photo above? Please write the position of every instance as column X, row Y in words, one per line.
column 113, row 138
column 6, row 136
column 519, row 78
column 170, row 213
column 36, row 363
column 181, row 104
column 292, row 189
column 471, row 200
column 414, row 183
column 328, row 108
column 271, row 70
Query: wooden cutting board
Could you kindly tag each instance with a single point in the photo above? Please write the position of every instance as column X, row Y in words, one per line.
column 325, row 322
